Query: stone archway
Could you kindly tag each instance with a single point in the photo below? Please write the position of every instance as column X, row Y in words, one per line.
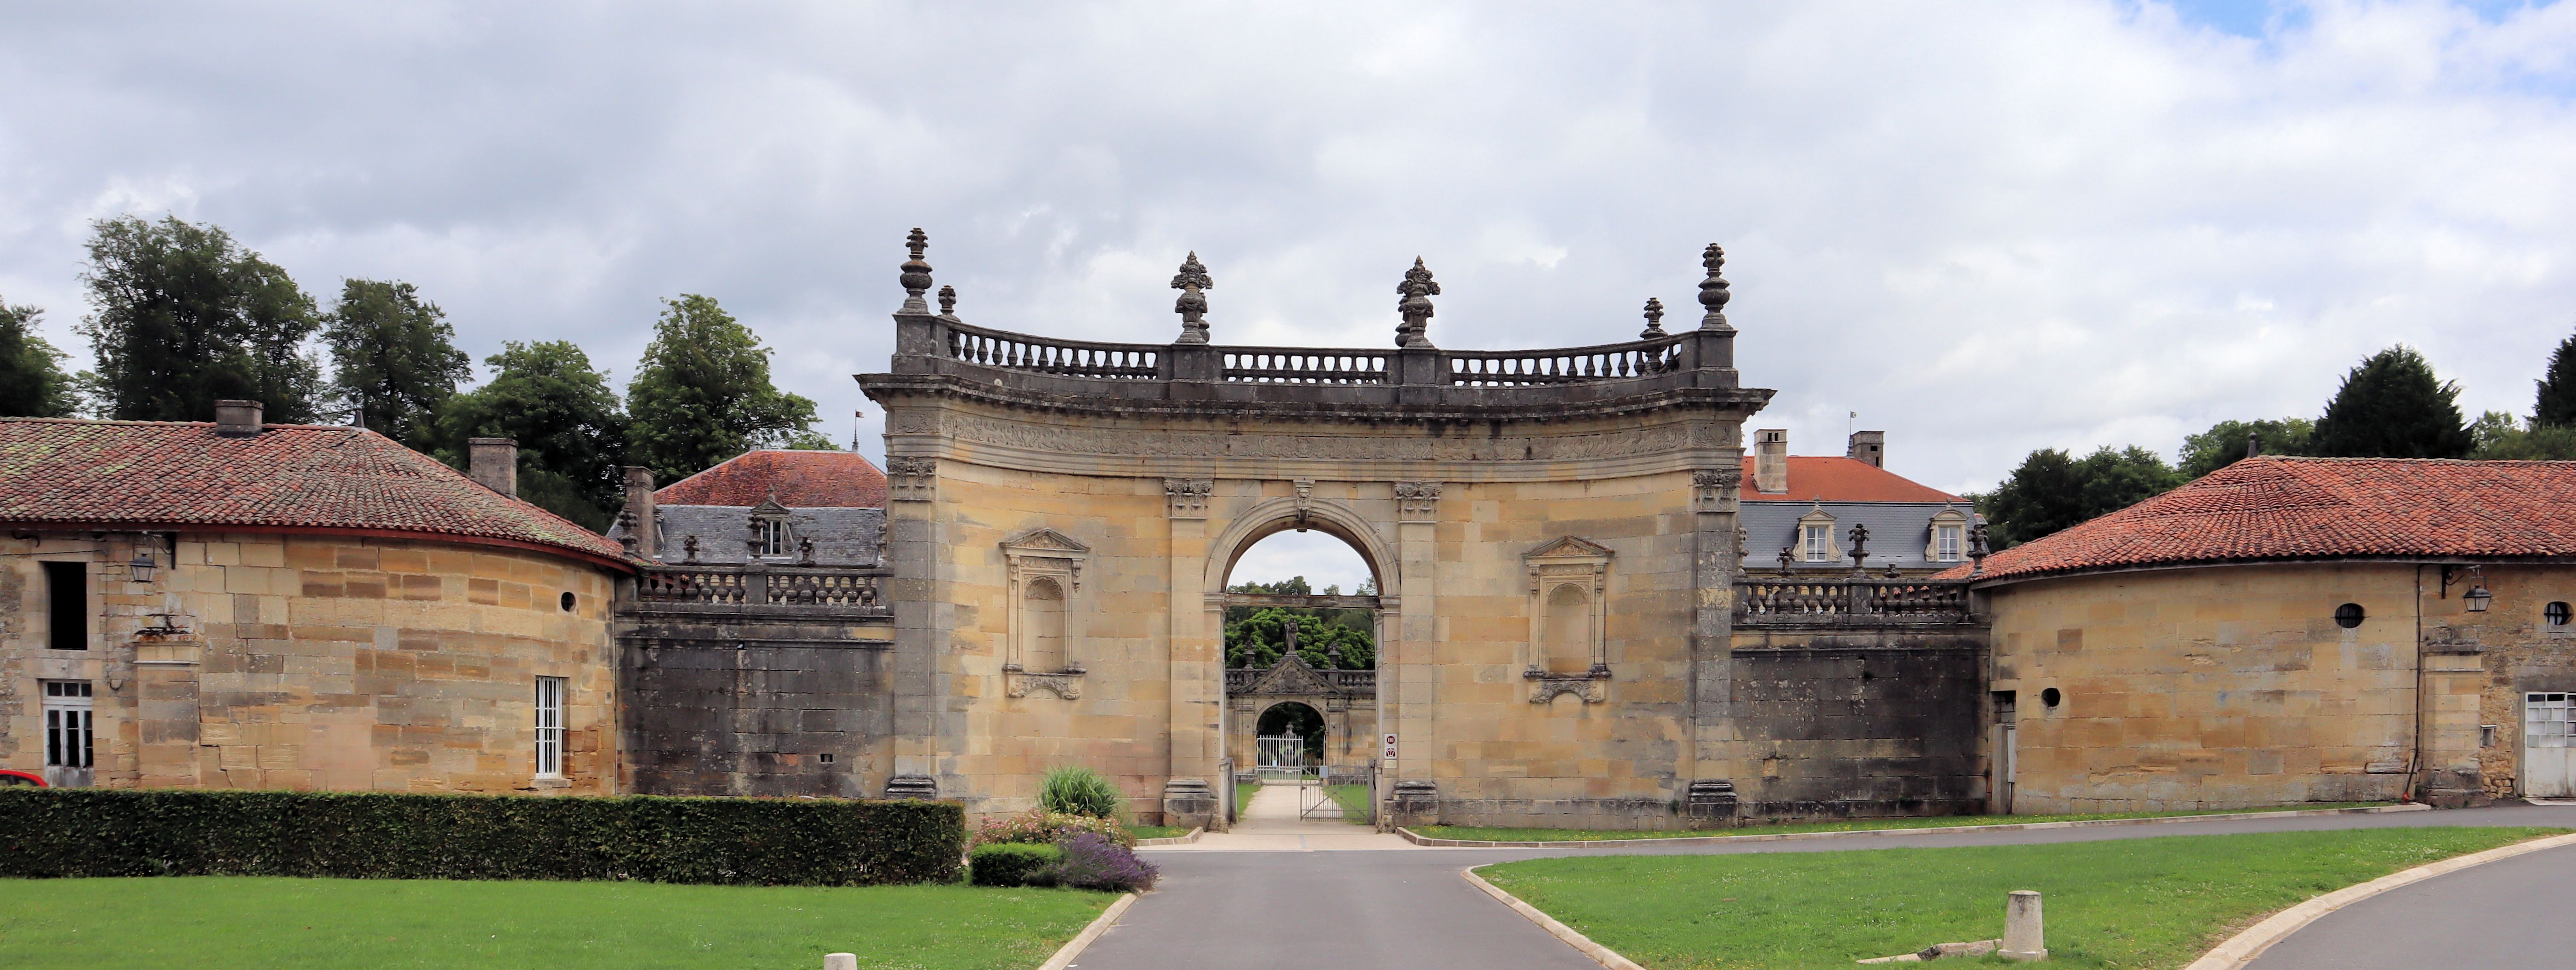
column 1157, row 464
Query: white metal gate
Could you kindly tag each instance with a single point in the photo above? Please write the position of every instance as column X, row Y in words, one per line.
column 2549, row 745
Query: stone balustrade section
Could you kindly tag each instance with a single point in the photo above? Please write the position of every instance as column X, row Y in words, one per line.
column 1853, row 601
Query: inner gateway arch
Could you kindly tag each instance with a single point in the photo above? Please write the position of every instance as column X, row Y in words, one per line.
column 1553, row 533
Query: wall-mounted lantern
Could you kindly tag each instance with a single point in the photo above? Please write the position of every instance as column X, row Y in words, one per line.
column 142, row 566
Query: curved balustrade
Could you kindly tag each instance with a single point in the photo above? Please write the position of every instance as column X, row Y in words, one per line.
column 1038, row 355
column 760, row 586
column 1284, row 365
column 1573, row 365
column 1850, row 601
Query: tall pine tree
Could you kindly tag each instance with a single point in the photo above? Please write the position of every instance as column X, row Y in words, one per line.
column 2554, row 405
column 702, row 393
column 186, row 317
column 395, row 357
column 32, row 382
column 2391, row 406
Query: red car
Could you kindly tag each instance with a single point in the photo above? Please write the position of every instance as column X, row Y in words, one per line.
column 8, row 778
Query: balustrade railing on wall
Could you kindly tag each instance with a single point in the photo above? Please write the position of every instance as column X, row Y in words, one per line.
column 1573, row 365
column 762, row 585
column 1362, row 682
column 1046, row 355
column 1282, row 365
column 1002, row 350
column 1862, row 601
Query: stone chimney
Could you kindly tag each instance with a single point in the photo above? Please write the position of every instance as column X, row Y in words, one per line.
column 1868, row 446
column 495, row 463
column 237, row 419
column 639, row 508
column 1771, row 461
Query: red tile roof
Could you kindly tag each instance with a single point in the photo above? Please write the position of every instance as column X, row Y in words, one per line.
column 800, row 479
column 2274, row 508
column 1835, row 478
column 178, row 475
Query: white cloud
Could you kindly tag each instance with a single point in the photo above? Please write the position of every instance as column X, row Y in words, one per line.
column 1987, row 227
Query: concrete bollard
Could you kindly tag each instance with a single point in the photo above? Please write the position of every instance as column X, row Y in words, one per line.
column 2022, row 940
column 840, row 961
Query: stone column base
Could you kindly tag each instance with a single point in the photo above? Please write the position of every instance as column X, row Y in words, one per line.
column 1414, row 803
column 1190, row 803
column 922, row 787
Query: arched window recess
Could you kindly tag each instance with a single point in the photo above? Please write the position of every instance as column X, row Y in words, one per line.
column 1044, row 649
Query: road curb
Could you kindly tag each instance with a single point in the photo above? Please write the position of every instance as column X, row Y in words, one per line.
column 2242, row 948
column 1602, row 955
column 1072, row 949
column 1174, row 840
column 1429, row 842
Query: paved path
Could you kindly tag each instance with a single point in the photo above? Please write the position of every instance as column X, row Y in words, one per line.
column 1279, row 906
column 2514, row 913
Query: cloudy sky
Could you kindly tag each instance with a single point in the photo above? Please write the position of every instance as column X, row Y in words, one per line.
column 1985, row 226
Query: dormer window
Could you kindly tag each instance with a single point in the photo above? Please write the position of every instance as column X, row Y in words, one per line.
column 771, row 535
column 773, row 538
column 1819, row 544
column 1948, row 543
column 1949, row 539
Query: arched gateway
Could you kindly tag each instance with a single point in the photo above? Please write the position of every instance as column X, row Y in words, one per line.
column 1553, row 534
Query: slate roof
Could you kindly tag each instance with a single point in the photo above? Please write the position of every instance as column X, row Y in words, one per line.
column 842, row 537
column 1835, row 478
column 1899, row 532
column 181, row 474
column 799, row 479
column 2279, row 508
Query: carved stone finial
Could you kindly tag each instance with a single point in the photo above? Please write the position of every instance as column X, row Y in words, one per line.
column 1860, row 546
column 1786, row 557
column 1193, row 282
column 916, row 274
column 1413, row 299
column 1654, row 319
column 948, row 302
column 1712, row 291
column 690, row 546
column 1977, row 552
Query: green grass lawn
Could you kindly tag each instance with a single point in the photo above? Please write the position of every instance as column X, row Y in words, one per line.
column 1490, row 834
column 1243, row 792
column 1157, row 831
column 2129, row 903
column 219, row 923
column 1354, row 800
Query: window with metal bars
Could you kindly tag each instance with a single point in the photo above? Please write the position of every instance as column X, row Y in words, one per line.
column 68, row 729
column 550, row 721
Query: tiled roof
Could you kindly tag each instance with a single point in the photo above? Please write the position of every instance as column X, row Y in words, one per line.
column 2274, row 508
column 1834, row 478
column 174, row 474
column 800, row 479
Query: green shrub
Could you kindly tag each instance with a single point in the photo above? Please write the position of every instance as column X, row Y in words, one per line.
column 1037, row 826
column 1012, row 863
column 1075, row 790
column 730, row 841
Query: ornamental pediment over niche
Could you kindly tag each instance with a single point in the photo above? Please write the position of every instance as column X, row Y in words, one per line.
column 1569, row 547
column 1291, row 677
column 1043, row 539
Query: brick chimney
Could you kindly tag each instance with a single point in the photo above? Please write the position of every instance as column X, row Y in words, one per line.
column 639, row 507
column 237, row 419
column 495, row 463
column 1868, row 446
column 1771, row 461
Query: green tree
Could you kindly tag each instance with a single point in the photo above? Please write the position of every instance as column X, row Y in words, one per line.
column 32, row 382
column 2391, row 406
column 2503, row 437
column 702, row 393
column 186, row 317
column 2225, row 442
column 394, row 357
column 2554, row 402
column 808, row 440
column 571, row 436
column 2053, row 490
column 1256, row 636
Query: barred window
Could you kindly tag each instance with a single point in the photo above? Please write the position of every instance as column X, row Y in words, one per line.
column 68, row 740
column 550, row 720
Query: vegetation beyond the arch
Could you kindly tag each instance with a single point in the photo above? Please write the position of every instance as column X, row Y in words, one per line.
column 1327, row 639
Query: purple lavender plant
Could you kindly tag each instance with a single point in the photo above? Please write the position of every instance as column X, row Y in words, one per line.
column 1093, row 862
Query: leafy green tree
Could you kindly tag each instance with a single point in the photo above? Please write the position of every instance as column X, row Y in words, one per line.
column 571, row 436
column 702, row 393
column 2225, row 442
column 809, row 440
column 394, row 357
column 32, row 382
column 2554, row 403
column 186, row 317
column 1256, row 636
column 2391, row 406
column 2053, row 490
column 2503, row 437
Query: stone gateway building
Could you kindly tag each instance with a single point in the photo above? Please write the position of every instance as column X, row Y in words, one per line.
column 1570, row 628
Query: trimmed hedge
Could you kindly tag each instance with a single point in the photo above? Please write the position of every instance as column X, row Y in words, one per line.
column 1010, row 863
column 725, row 841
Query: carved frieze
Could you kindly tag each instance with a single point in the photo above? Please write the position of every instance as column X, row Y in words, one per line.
column 1592, row 686
column 1066, row 684
column 1188, row 496
column 1073, row 439
column 1417, row 501
column 1715, row 489
column 912, row 479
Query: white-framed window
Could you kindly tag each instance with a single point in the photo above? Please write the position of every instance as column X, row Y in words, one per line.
column 773, row 537
column 68, row 736
column 550, row 721
column 1948, row 542
column 1819, row 542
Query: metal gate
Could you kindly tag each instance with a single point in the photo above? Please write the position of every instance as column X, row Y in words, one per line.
column 1279, row 760
column 1317, row 796
column 2549, row 745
